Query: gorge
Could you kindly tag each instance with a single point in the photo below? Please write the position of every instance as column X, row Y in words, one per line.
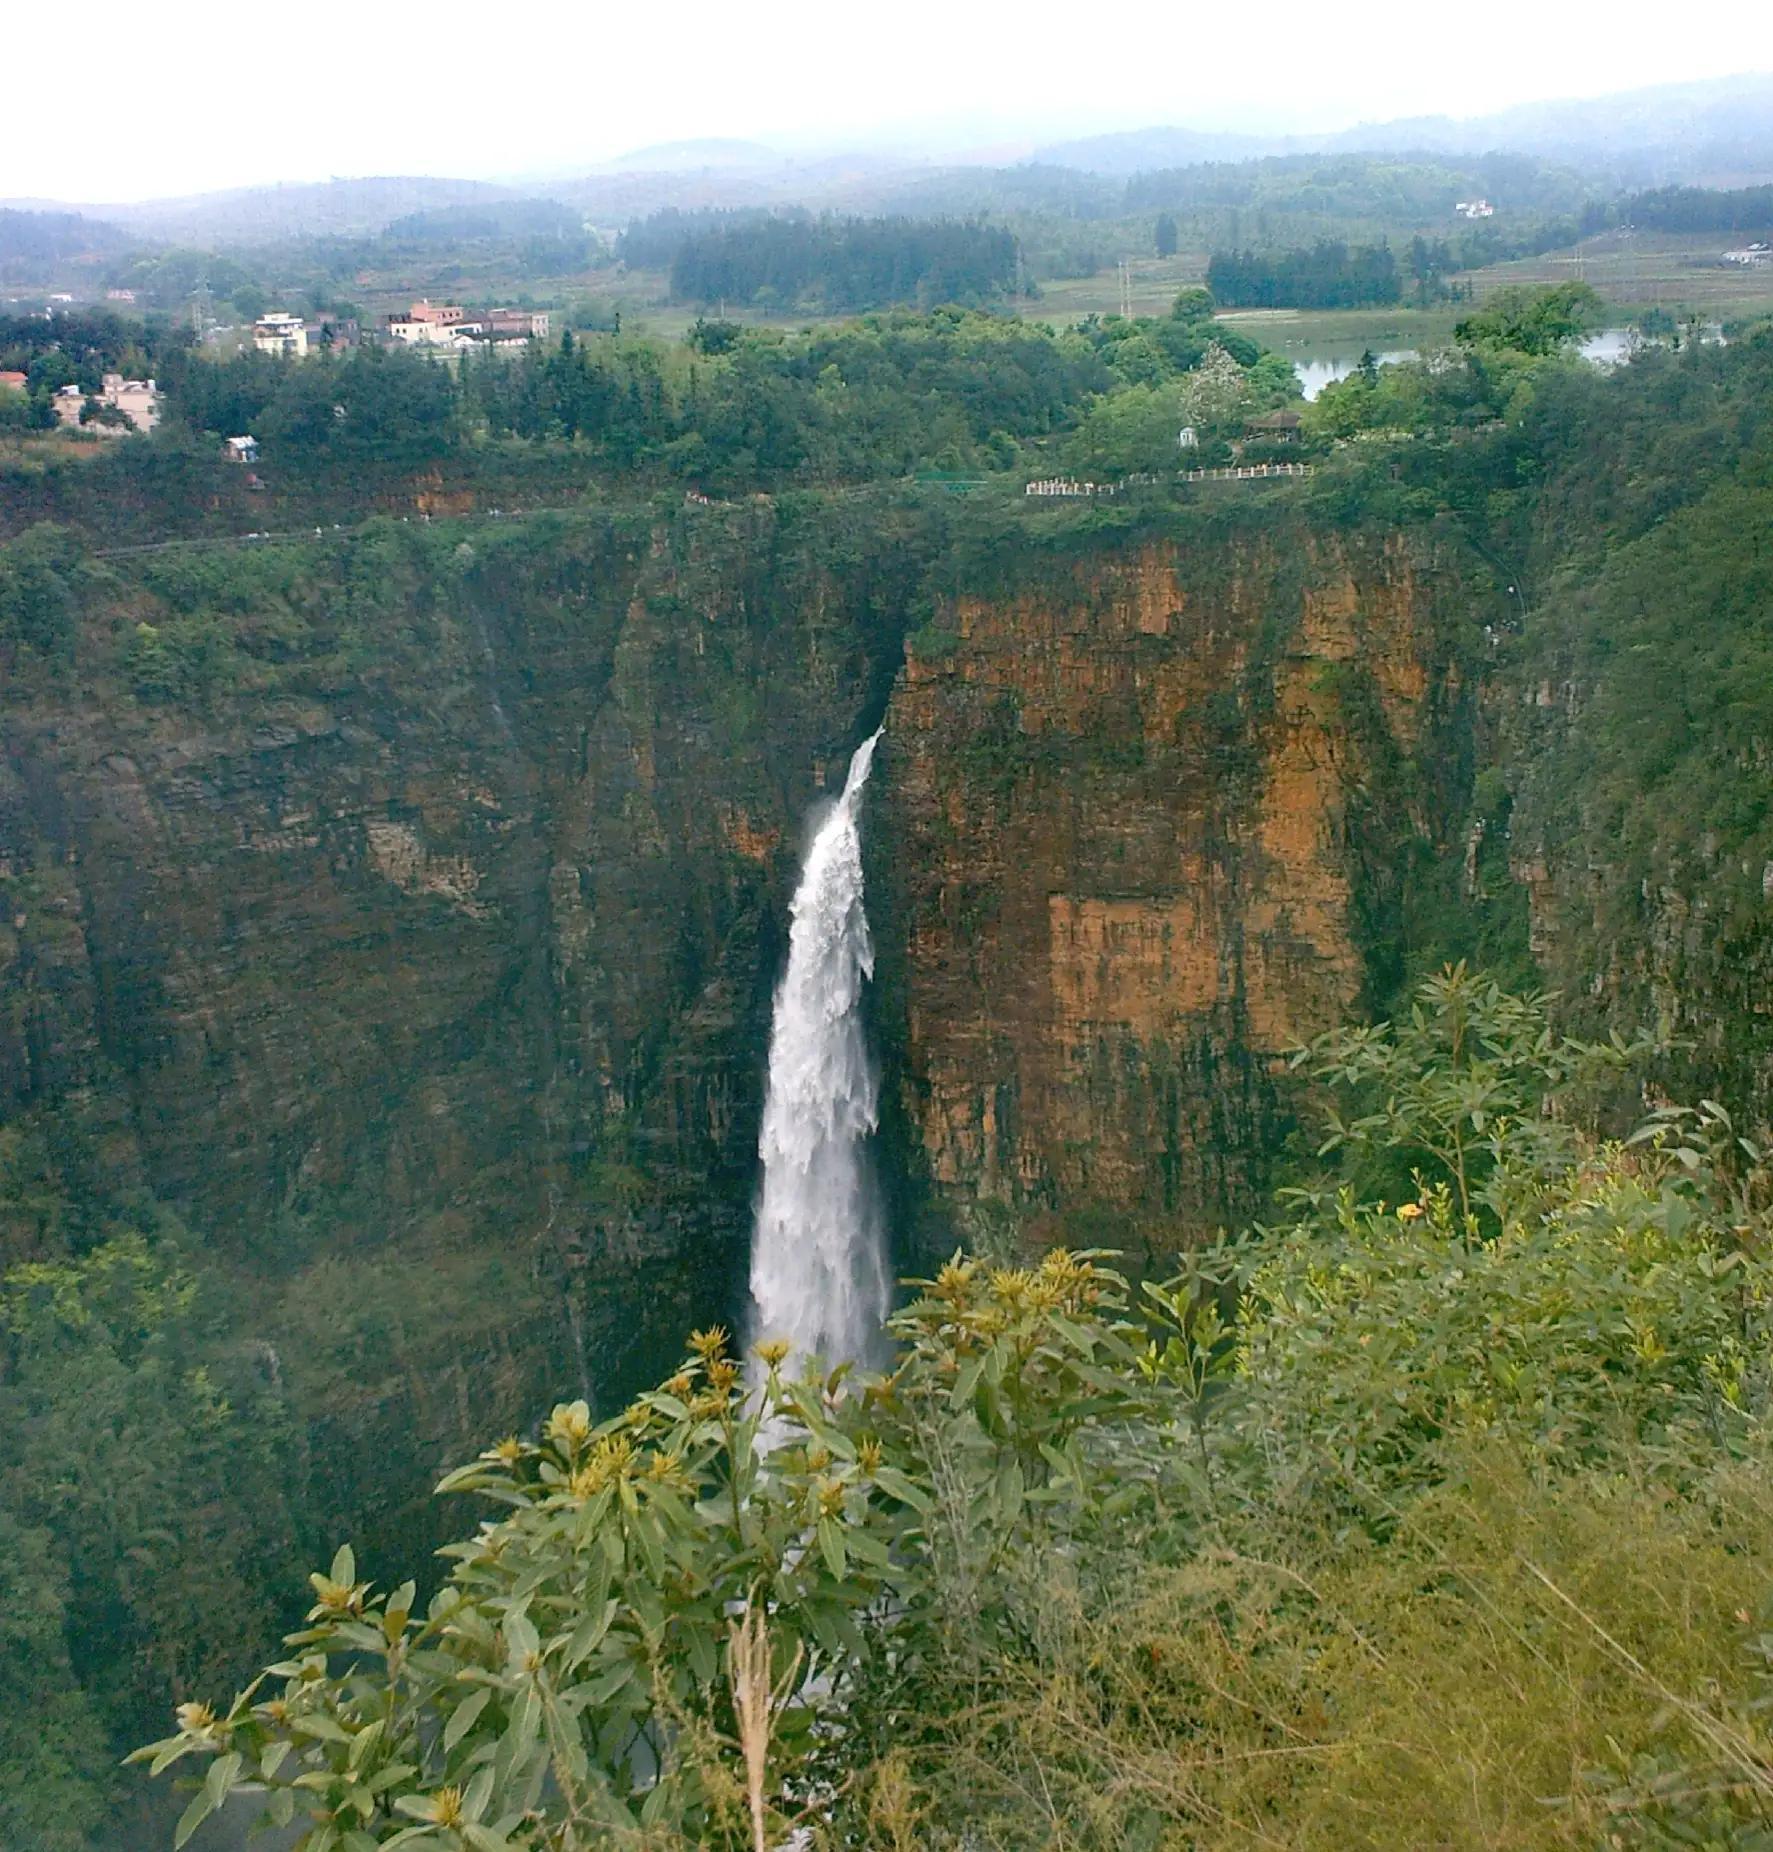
column 395, row 923
column 445, row 981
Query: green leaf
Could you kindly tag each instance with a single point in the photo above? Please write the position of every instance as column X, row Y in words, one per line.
column 462, row 1719
column 221, row 1777
column 361, row 1744
column 520, row 1735
column 478, row 1794
column 201, row 1807
column 317, row 1723
column 895, row 1484
column 702, row 1657
column 344, row 1566
column 652, row 1545
column 521, row 1639
column 174, row 1749
column 966, row 1382
column 589, row 1633
column 831, row 1545
column 598, row 1692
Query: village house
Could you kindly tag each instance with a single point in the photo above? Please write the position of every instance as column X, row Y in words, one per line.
column 1276, row 427
column 1475, row 209
column 14, row 382
column 432, row 324
column 280, row 333
column 137, row 399
column 241, row 449
column 120, row 295
column 517, row 324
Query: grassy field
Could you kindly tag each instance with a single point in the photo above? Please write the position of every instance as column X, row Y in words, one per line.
column 1637, row 270
column 1332, row 333
column 1155, row 283
column 1631, row 271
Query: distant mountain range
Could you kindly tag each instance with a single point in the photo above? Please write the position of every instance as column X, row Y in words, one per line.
column 676, row 157
column 1719, row 132
column 319, row 208
column 1721, row 129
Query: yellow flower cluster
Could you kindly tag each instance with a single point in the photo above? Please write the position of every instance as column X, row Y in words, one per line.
column 1060, row 1282
column 610, row 1460
column 709, row 1344
column 569, row 1427
column 445, row 1808
column 332, row 1597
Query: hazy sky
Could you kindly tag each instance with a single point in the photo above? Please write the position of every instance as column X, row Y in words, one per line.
column 218, row 93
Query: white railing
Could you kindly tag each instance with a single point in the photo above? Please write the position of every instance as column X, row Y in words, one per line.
column 1241, row 472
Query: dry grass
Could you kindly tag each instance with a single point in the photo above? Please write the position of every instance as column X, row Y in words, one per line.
column 1451, row 1691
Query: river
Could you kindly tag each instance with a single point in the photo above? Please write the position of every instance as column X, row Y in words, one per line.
column 1317, row 370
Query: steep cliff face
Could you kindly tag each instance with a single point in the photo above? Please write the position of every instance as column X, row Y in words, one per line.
column 1136, row 817
column 1638, row 753
column 419, row 956
column 424, row 973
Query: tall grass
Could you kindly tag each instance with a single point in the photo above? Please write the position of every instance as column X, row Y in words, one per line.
column 1485, row 1681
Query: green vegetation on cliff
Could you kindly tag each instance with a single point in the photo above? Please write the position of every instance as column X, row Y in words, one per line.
column 1316, row 1545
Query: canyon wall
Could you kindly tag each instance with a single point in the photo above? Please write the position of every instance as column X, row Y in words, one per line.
column 418, row 959
column 420, row 964
column 1146, row 819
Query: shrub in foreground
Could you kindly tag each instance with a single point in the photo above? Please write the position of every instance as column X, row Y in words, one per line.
column 1454, row 1533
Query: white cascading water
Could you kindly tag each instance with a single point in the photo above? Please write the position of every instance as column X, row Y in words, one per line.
column 818, row 1251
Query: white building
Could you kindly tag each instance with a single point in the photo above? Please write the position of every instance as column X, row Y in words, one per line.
column 137, row 399
column 1475, row 209
column 280, row 333
column 433, row 324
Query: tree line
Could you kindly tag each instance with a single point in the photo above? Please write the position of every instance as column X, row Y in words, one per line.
column 1696, row 209
column 734, row 409
column 848, row 264
column 1326, row 275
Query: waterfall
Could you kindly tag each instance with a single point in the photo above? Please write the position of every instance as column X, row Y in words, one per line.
column 818, row 1251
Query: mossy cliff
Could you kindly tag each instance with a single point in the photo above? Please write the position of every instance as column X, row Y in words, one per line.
column 1151, row 814
column 400, row 911
column 415, row 948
